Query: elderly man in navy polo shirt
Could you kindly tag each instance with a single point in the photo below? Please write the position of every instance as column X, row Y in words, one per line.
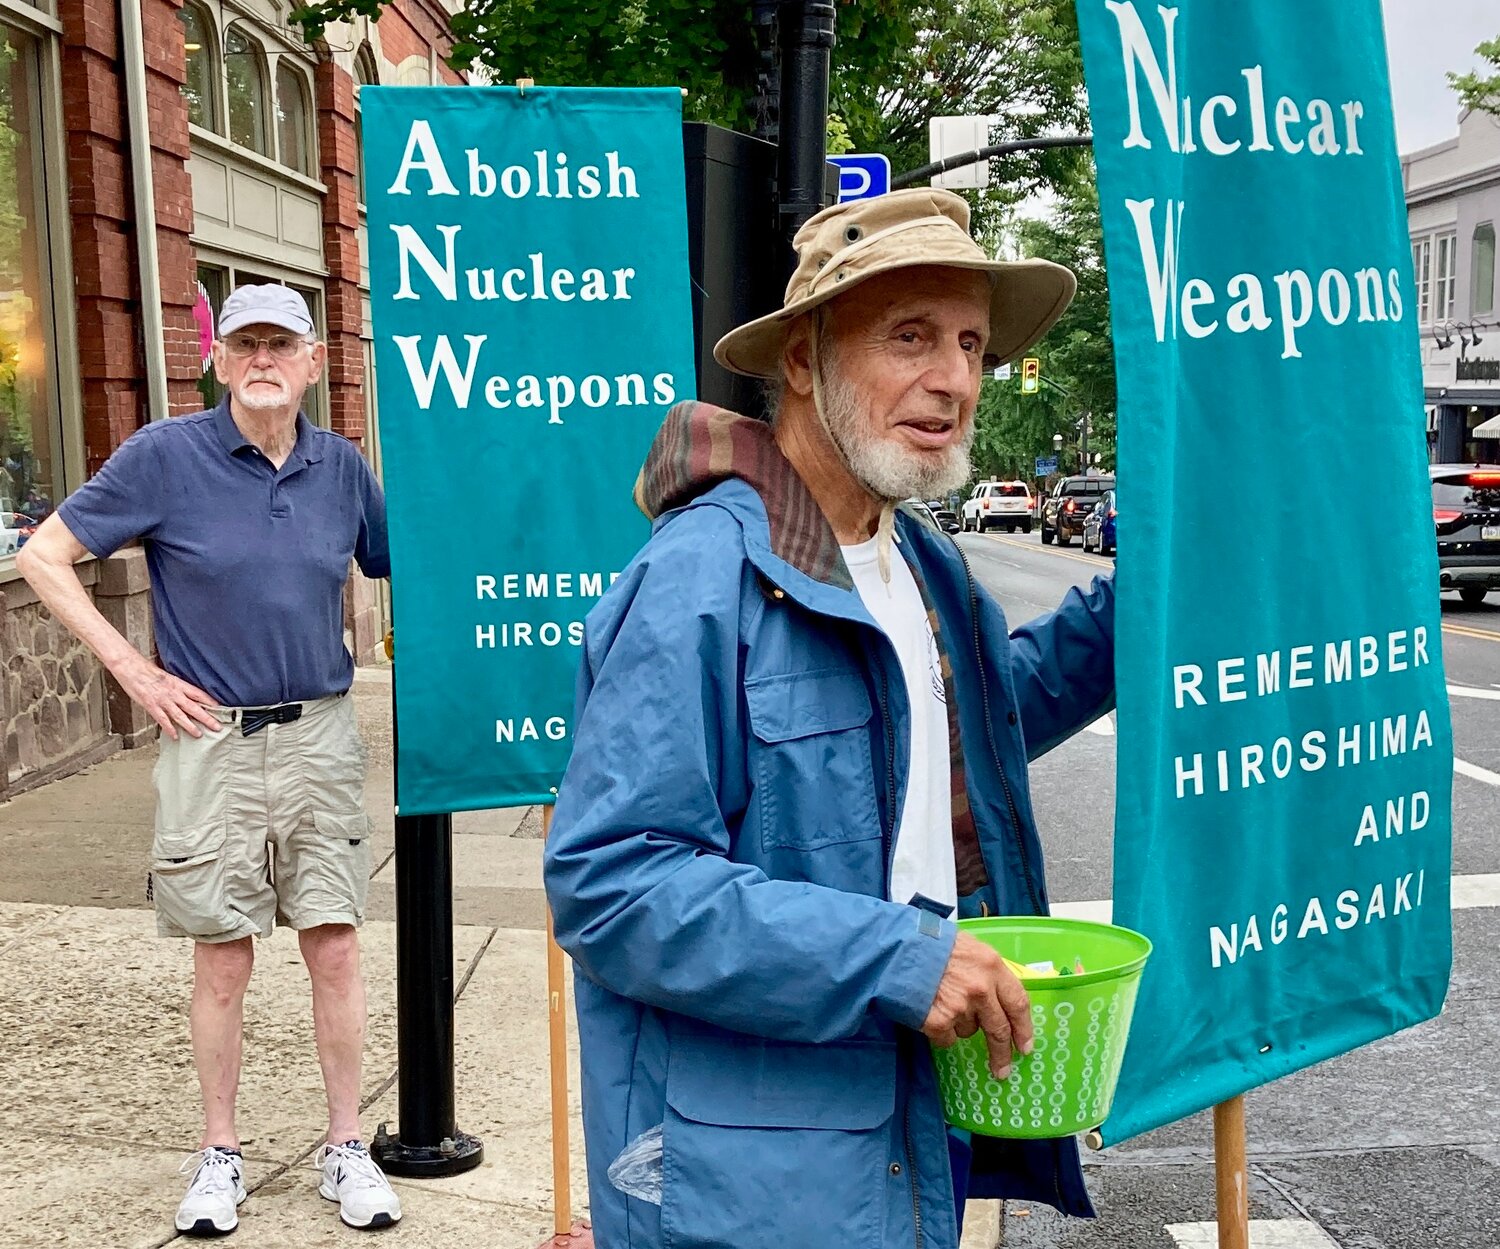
column 250, row 516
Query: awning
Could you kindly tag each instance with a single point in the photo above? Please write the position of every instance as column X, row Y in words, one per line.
column 1487, row 429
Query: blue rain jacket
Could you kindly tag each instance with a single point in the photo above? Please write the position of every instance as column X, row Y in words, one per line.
column 719, row 863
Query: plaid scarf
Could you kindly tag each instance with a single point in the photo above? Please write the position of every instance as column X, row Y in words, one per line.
column 700, row 446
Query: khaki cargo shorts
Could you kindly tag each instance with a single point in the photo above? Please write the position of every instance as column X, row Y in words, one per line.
column 259, row 830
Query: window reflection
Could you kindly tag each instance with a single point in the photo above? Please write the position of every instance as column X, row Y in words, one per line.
column 200, row 88
column 291, row 118
column 29, row 485
column 244, row 72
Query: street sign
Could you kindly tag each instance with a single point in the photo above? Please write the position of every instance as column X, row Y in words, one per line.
column 1002, row 372
column 953, row 136
column 1046, row 465
column 862, row 175
column 1031, row 375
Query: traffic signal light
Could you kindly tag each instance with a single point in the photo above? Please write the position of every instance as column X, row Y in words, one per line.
column 1031, row 375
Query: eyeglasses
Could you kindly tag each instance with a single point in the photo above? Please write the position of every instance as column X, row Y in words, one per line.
column 283, row 346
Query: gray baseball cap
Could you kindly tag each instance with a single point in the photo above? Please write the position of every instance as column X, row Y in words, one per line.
column 268, row 304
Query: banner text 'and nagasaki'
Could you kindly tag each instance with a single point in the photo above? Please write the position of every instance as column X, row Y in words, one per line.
column 1244, row 119
column 450, row 265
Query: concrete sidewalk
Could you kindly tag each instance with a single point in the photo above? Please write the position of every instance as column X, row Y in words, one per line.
column 99, row 1101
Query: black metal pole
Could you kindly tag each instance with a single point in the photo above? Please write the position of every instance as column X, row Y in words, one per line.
column 429, row 1143
column 805, row 35
column 984, row 153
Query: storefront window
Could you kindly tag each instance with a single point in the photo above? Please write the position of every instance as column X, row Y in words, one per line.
column 291, row 119
column 365, row 75
column 1445, row 278
column 1482, row 288
column 201, row 88
column 213, row 285
column 1421, row 263
column 244, row 69
column 30, row 468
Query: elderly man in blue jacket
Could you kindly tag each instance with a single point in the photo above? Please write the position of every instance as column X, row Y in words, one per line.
column 801, row 752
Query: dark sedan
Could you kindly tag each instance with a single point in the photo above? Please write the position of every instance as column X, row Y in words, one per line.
column 1099, row 528
column 1466, row 515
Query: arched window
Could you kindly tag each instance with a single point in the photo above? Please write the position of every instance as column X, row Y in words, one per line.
column 365, row 75
column 201, row 88
column 245, row 71
column 292, row 116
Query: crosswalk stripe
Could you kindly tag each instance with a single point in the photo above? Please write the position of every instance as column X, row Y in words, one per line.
column 1264, row 1234
column 1474, row 772
column 1468, row 691
column 1471, row 892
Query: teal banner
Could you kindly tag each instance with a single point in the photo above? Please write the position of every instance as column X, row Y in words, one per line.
column 1283, row 830
column 529, row 294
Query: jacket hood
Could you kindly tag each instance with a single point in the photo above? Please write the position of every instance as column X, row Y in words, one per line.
column 700, row 446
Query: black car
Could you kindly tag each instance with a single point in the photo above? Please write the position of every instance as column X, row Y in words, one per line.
column 1069, row 505
column 946, row 516
column 1466, row 514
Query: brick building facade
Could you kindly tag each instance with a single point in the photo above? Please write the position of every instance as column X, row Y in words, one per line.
column 112, row 265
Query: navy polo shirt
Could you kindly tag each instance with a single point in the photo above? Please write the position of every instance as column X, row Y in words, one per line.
column 247, row 561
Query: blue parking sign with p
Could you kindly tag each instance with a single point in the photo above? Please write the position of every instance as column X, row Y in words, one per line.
column 862, row 175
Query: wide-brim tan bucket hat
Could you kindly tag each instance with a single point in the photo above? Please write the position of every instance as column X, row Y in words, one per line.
column 850, row 243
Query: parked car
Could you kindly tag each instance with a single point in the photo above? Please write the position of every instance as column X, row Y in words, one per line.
column 1070, row 502
column 15, row 528
column 920, row 509
column 1466, row 515
column 946, row 516
column 998, row 504
column 1099, row 527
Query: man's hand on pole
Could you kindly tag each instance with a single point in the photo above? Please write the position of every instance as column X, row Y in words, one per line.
column 978, row 993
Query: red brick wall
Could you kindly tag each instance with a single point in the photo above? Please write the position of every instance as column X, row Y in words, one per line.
column 103, row 251
column 409, row 27
column 166, row 71
column 335, row 96
column 105, row 260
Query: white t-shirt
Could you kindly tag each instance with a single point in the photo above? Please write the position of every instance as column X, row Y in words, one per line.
column 924, row 833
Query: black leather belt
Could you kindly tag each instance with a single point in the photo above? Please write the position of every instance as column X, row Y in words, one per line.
column 253, row 719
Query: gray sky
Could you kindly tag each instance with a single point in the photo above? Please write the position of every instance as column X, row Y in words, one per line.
column 1426, row 39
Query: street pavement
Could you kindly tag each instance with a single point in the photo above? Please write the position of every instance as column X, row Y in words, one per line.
column 1396, row 1146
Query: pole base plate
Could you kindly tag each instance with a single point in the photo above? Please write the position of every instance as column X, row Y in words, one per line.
column 452, row 1156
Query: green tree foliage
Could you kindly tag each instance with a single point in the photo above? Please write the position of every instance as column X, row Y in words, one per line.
column 1078, row 364
column 1481, row 90
column 895, row 65
column 708, row 49
column 1079, row 354
column 1017, row 61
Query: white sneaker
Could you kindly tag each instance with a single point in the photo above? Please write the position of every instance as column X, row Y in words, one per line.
column 210, row 1206
column 352, row 1178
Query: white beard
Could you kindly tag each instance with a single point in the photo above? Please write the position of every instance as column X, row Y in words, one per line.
column 886, row 469
column 257, row 399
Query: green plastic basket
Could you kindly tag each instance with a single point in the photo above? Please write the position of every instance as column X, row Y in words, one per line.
column 1081, row 1024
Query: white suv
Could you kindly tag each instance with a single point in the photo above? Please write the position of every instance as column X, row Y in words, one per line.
column 998, row 503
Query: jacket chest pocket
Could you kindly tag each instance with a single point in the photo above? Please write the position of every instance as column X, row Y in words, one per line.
column 810, row 760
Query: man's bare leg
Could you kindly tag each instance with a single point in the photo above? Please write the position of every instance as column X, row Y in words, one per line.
column 221, row 973
column 331, row 952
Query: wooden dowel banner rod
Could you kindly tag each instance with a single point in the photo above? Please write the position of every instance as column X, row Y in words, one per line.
column 557, row 1031
column 1232, row 1174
